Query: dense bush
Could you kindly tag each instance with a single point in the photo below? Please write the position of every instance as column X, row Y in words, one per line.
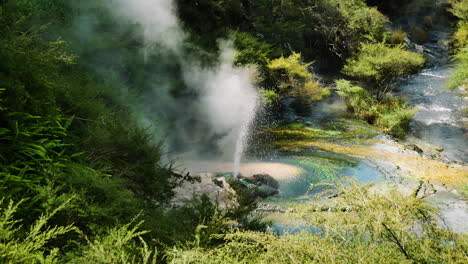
column 321, row 28
column 344, row 25
column 461, row 35
column 379, row 64
column 361, row 226
column 460, row 78
column 397, row 37
column 292, row 78
column 65, row 132
column 459, row 8
column 17, row 246
column 390, row 114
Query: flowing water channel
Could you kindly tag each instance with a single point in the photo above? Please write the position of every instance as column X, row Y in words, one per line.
column 439, row 119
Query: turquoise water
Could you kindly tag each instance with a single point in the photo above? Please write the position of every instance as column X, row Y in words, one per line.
column 325, row 168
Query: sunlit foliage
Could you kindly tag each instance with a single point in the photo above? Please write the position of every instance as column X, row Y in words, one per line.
column 391, row 114
column 379, row 64
column 294, row 79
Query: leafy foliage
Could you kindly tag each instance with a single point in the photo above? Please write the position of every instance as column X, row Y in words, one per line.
column 397, row 37
column 321, row 27
column 378, row 64
column 460, row 78
column 358, row 24
column 293, row 78
column 460, row 9
column 31, row 148
column 119, row 245
column 30, row 247
column 361, row 226
column 66, row 133
column 391, row 114
column 269, row 96
column 461, row 35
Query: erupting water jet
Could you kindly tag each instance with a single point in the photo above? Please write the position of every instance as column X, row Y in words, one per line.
column 242, row 137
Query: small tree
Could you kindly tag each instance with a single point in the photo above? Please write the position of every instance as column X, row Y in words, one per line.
column 379, row 65
column 293, row 79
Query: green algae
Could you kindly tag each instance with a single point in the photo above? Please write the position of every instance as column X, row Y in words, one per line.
column 318, row 168
column 336, row 158
column 341, row 130
column 464, row 190
column 296, row 125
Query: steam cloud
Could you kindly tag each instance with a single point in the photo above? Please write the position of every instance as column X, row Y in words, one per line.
column 227, row 98
column 158, row 20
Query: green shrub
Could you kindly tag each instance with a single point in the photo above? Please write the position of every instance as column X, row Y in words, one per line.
column 127, row 151
column 21, row 246
column 397, row 37
column 379, row 64
column 67, row 132
column 359, row 100
column 292, row 65
column 395, row 121
column 461, row 35
column 337, row 28
column 251, row 50
column 361, row 225
column 123, row 245
column 460, row 9
column 460, row 77
column 293, row 78
column 331, row 27
column 391, row 114
column 362, row 20
column 269, row 96
column 32, row 148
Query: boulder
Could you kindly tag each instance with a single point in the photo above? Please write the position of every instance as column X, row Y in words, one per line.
column 414, row 147
column 265, row 179
column 439, row 149
column 218, row 190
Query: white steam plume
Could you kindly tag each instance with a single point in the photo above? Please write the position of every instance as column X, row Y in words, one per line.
column 158, row 19
column 227, row 97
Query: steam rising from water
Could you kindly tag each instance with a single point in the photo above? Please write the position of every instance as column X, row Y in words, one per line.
column 158, row 19
column 227, row 98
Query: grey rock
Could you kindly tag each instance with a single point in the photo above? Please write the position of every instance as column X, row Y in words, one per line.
column 266, row 180
column 414, row 147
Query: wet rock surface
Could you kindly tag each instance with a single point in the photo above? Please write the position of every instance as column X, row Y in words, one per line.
column 414, row 147
column 265, row 179
column 217, row 189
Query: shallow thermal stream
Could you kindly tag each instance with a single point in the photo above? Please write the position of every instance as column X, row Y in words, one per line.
column 438, row 120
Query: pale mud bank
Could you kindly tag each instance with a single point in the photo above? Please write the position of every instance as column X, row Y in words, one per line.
column 279, row 171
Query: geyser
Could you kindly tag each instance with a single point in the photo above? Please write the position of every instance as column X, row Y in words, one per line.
column 226, row 99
